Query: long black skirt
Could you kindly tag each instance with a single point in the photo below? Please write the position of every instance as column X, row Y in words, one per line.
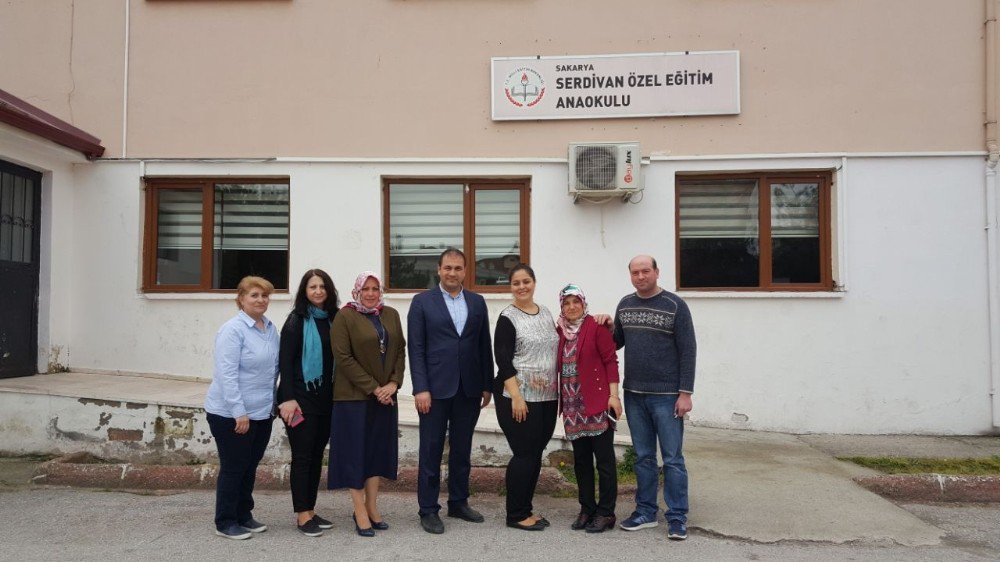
column 364, row 442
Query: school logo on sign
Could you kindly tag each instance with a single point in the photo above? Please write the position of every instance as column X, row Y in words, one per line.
column 524, row 87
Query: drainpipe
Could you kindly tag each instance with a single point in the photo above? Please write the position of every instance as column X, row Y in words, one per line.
column 992, row 242
column 125, row 86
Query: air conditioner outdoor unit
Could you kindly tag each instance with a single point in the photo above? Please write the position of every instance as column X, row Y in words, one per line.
column 601, row 171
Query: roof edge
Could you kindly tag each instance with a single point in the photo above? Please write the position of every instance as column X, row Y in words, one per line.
column 18, row 113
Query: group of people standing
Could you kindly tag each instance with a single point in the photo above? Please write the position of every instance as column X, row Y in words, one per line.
column 340, row 370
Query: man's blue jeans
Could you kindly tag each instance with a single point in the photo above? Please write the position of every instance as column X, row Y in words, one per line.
column 651, row 418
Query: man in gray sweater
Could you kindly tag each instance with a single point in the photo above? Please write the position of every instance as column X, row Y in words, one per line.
column 656, row 329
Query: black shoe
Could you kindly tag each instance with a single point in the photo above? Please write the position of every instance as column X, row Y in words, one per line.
column 581, row 521
column 465, row 513
column 677, row 530
column 543, row 522
column 369, row 532
column 379, row 525
column 310, row 528
column 432, row 523
column 322, row 523
column 253, row 526
column 233, row 531
column 537, row 526
column 601, row 523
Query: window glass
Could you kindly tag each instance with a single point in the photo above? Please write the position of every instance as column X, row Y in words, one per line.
column 17, row 218
column 207, row 234
column 6, row 216
column 178, row 247
column 27, row 219
column 498, row 234
column 17, row 221
column 719, row 233
column 250, row 234
column 795, row 240
column 424, row 219
column 485, row 218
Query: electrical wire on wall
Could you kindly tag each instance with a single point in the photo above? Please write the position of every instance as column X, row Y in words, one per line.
column 601, row 203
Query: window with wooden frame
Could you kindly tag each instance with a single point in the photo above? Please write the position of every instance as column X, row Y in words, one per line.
column 725, row 242
column 485, row 218
column 205, row 234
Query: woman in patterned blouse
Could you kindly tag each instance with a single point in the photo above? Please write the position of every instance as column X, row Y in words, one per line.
column 526, row 390
column 588, row 394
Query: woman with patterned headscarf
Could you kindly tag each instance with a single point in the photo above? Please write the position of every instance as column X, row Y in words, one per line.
column 588, row 393
column 370, row 352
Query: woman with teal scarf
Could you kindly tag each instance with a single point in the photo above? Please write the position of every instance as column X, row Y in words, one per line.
column 305, row 391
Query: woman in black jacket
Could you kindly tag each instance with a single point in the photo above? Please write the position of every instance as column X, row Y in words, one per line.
column 305, row 391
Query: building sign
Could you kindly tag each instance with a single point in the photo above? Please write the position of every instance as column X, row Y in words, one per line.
column 601, row 86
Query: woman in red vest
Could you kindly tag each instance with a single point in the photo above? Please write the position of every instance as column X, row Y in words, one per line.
column 588, row 396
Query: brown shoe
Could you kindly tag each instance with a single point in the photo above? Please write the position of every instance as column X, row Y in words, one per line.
column 522, row 527
column 581, row 522
column 601, row 523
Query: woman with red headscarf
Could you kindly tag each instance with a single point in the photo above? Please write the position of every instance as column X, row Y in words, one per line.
column 369, row 350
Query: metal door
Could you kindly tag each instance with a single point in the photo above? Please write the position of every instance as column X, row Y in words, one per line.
column 20, row 211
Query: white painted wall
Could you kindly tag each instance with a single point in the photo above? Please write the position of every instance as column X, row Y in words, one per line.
column 903, row 350
column 56, row 164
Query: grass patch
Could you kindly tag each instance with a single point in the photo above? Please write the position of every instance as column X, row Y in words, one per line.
column 567, row 472
column 911, row 465
column 563, row 494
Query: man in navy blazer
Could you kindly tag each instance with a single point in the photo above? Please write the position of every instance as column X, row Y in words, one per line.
column 451, row 368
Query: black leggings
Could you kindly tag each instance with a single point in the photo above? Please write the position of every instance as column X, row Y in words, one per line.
column 585, row 451
column 527, row 440
column 308, row 441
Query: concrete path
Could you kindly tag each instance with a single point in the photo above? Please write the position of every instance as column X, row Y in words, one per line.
column 769, row 487
column 83, row 525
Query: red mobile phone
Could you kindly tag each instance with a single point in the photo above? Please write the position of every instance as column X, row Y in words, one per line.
column 297, row 418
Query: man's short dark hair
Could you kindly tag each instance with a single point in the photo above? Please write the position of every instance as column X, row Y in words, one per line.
column 451, row 252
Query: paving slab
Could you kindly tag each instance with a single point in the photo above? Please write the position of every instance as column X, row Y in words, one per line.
column 769, row 487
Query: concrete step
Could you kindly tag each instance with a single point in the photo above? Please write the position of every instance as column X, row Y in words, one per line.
column 161, row 420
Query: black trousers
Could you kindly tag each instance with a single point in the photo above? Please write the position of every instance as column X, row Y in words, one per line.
column 308, row 441
column 585, row 451
column 239, row 456
column 455, row 417
column 527, row 440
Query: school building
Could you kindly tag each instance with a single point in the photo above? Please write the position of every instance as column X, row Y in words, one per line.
column 816, row 179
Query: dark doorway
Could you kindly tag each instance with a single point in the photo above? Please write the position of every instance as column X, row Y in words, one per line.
column 20, row 212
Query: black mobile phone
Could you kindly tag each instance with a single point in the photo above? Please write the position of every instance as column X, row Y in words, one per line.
column 611, row 414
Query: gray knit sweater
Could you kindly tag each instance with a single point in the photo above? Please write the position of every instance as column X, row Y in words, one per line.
column 660, row 348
